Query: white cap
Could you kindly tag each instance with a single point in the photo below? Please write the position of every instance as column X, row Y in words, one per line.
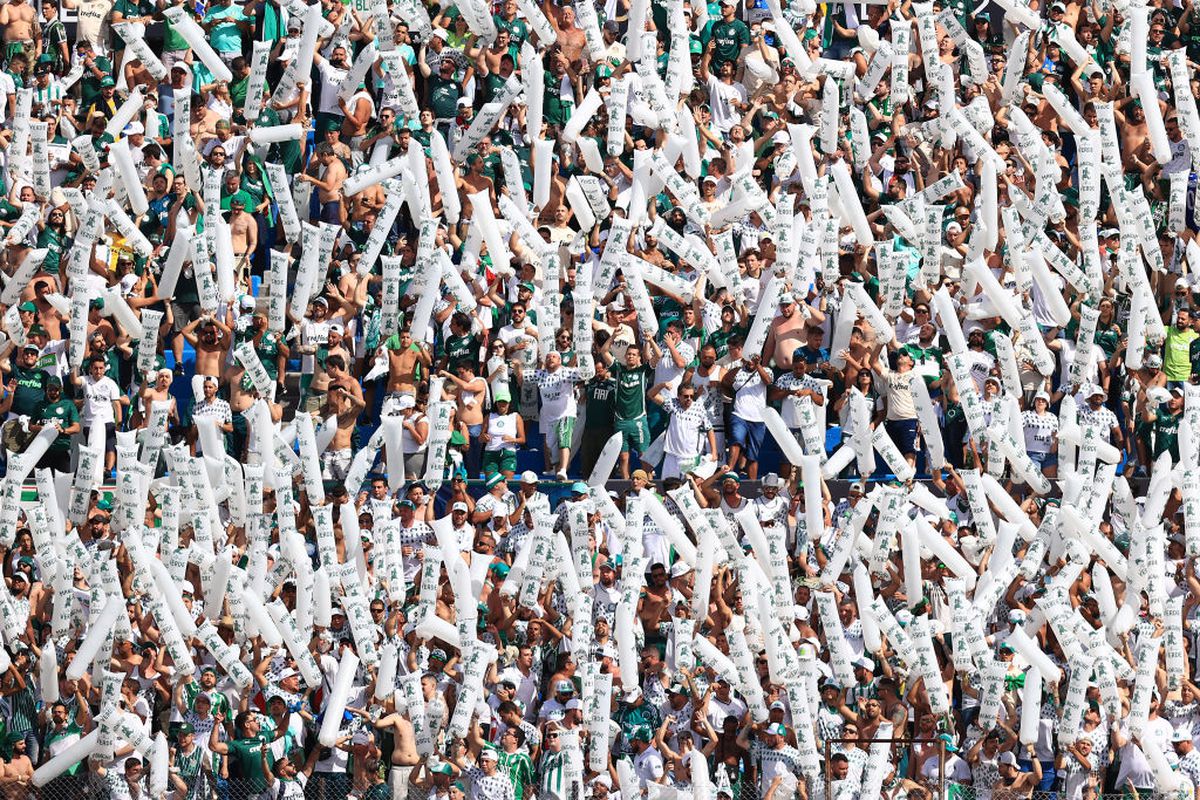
column 459, row 506
column 134, row 128
column 406, row 401
column 529, row 476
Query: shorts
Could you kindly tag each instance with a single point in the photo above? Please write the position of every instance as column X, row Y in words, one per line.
column 904, row 433
column 336, row 463
column 332, row 212
column 57, row 459
column 502, row 461
column 414, row 464
column 398, row 779
column 1044, row 460
column 747, row 435
column 183, row 314
column 561, row 433
column 110, row 437
column 635, row 434
column 677, row 466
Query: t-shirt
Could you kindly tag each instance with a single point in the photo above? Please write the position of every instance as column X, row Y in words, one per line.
column 686, row 429
column 728, row 40
column 1177, row 364
column 226, row 37
column 443, row 97
column 600, row 396
column 1166, row 432
column 31, row 390
column 98, row 399
column 558, row 392
column 462, row 350
column 65, row 414
column 632, row 384
column 245, row 760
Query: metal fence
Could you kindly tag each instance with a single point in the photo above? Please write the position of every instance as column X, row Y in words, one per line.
column 329, row 786
column 963, row 791
column 321, row 786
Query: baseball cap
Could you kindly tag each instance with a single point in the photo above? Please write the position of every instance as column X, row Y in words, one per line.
column 28, row 305
column 406, row 401
column 786, row 298
column 1007, row 758
column 777, row 729
column 771, row 480
column 564, row 686
column 579, row 487
column 493, row 480
column 459, row 507
column 529, row 476
column 488, row 754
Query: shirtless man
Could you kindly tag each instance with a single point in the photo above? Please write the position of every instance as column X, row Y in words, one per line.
column 329, row 184
column 335, row 346
column 211, row 338
column 470, row 392
column 403, row 363
column 241, row 391
column 344, row 401
column 243, row 233
column 652, row 605
column 491, row 56
column 20, row 28
column 787, row 329
column 203, row 124
column 570, row 36
column 50, row 317
column 475, row 181
column 1131, row 127
column 157, row 392
column 16, row 776
column 404, row 751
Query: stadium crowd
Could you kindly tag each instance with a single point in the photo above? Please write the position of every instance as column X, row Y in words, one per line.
column 326, row 327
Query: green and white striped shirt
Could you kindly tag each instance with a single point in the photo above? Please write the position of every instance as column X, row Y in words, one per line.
column 552, row 774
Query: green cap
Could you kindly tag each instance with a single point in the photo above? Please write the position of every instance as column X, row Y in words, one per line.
column 107, row 82
column 493, row 479
column 27, row 306
column 695, row 47
column 38, row 330
column 457, row 439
